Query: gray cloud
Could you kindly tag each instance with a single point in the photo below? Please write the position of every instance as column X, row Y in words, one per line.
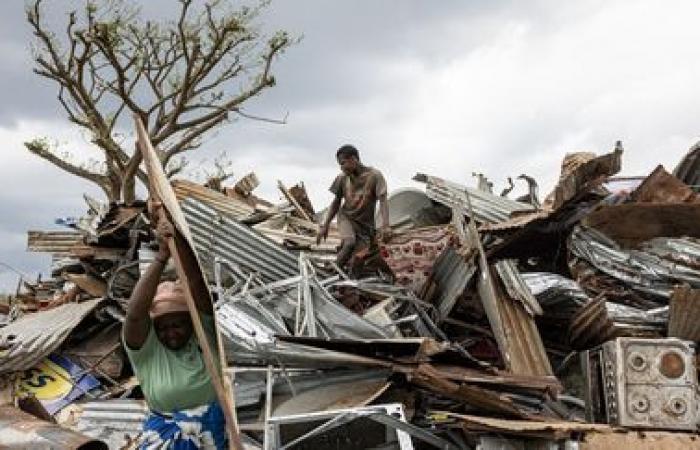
column 448, row 87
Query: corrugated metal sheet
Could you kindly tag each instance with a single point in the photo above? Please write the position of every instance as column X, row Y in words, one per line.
column 644, row 271
column 518, row 221
column 591, row 326
column 685, row 251
column 599, row 321
column 488, row 208
column 688, row 170
column 116, row 422
column 186, row 189
column 516, row 333
column 516, row 286
column 56, row 242
column 452, row 274
column 684, row 317
column 662, row 187
column 219, row 235
column 34, row 336
column 554, row 291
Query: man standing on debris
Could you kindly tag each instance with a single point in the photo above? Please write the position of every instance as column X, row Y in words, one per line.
column 357, row 188
column 168, row 362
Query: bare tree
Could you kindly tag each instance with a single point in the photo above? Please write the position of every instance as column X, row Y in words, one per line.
column 184, row 78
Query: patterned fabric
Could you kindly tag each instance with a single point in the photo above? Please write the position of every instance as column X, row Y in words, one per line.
column 191, row 429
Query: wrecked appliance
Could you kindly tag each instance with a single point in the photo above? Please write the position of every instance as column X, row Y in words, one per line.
column 642, row 383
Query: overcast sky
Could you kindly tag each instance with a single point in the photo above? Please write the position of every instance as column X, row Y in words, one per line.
column 448, row 88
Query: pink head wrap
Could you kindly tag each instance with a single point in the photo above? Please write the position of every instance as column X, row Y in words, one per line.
column 169, row 298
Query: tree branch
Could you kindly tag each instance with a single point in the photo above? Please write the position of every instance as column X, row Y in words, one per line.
column 41, row 150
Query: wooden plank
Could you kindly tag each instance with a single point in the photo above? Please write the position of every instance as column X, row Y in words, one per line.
column 290, row 198
column 547, row 429
column 189, row 271
column 648, row 440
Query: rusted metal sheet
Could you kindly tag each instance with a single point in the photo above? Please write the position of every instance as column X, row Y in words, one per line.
column 498, row 379
column 514, row 328
column 402, row 349
column 515, row 222
column 32, row 337
column 117, row 218
column 57, row 242
column 227, row 205
column 484, row 399
column 662, row 187
column 411, row 254
column 688, row 169
column 103, row 352
column 581, row 175
column 21, row 430
column 591, row 326
column 684, row 316
column 630, row 224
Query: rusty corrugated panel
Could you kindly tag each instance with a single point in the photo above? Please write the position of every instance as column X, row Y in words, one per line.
column 56, row 242
column 515, row 222
column 487, row 207
column 227, row 205
column 684, row 317
column 516, row 333
column 19, row 429
column 662, row 187
column 32, row 337
column 688, row 170
column 591, row 326
column 580, row 174
column 630, row 224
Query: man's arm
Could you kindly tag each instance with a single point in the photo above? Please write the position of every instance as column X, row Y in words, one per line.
column 138, row 322
column 332, row 211
column 380, row 191
column 384, row 212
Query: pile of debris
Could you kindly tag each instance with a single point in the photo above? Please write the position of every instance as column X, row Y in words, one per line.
column 508, row 321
